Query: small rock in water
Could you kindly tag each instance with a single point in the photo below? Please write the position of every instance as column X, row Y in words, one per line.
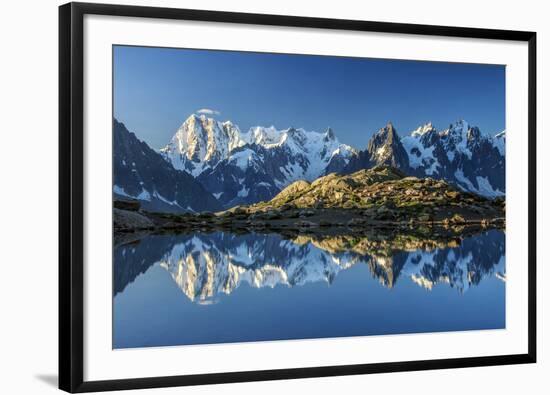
column 306, row 224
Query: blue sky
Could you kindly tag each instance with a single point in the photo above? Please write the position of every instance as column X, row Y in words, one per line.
column 156, row 89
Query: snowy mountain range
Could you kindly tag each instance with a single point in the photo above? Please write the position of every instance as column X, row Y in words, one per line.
column 244, row 168
column 459, row 154
column 239, row 168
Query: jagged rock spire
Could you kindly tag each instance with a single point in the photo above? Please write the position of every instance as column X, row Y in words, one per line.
column 385, row 148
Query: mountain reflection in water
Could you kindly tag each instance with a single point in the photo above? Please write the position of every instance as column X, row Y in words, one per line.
column 210, row 267
column 204, row 265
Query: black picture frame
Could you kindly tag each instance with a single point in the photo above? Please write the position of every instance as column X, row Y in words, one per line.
column 71, row 171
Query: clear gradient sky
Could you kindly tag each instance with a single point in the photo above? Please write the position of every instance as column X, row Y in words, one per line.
column 156, row 89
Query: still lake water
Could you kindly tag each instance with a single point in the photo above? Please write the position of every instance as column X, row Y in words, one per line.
column 224, row 287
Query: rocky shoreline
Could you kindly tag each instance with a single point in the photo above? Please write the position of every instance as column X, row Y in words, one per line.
column 379, row 198
column 326, row 221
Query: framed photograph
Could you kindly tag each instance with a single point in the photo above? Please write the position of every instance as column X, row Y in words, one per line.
column 251, row 197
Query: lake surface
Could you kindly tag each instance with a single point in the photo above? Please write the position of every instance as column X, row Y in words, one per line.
column 223, row 287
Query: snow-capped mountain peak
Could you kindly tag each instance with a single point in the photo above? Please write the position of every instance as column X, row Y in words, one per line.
column 457, row 137
column 423, row 129
column 201, row 142
column 499, row 142
column 460, row 154
column 385, row 148
column 297, row 136
column 263, row 136
column 458, row 129
column 242, row 168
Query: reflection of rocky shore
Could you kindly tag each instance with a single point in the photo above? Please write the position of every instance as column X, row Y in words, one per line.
column 204, row 265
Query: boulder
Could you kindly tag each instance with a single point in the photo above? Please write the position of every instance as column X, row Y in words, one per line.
column 306, row 224
column 125, row 219
column 127, row 204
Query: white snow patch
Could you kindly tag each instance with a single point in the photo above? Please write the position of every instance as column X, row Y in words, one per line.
column 426, row 157
column 457, row 136
column 499, row 142
column 144, row 195
column 422, row 129
column 486, row 189
column 267, row 137
column 450, row 155
column 243, row 192
column 120, row 191
column 459, row 174
column 243, row 159
column 160, row 197
column 381, row 151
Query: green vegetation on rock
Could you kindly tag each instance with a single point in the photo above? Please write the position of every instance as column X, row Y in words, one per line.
column 385, row 193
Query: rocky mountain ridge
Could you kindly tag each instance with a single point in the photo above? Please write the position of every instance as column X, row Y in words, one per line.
column 142, row 174
column 243, row 168
column 460, row 154
column 382, row 197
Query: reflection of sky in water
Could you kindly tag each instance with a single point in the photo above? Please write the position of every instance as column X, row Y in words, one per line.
column 221, row 287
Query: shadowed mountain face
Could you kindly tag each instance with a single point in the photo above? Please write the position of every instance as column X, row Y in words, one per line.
column 205, row 266
column 141, row 173
column 384, row 149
